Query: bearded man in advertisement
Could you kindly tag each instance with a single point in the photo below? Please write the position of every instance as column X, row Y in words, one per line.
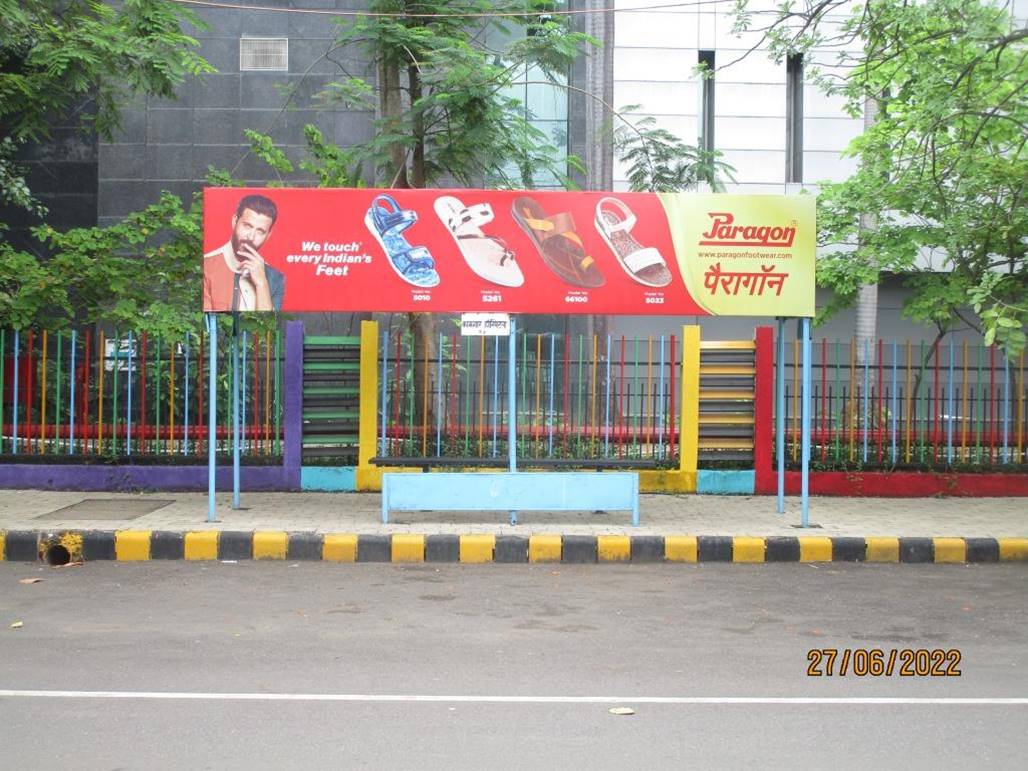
column 236, row 276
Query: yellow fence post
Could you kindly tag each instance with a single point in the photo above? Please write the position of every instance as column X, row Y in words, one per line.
column 367, row 475
column 690, row 417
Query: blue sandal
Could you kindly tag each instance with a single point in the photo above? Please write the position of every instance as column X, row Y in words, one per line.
column 386, row 221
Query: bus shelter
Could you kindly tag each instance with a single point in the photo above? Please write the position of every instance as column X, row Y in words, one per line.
column 494, row 255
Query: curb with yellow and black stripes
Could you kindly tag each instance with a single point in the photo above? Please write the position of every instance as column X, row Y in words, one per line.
column 59, row 547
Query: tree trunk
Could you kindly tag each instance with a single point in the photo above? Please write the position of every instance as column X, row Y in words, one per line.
column 598, row 151
column 867, row 298
column 390, row 103
column 417, row 126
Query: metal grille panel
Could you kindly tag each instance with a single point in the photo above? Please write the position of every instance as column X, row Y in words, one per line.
column 264, row 54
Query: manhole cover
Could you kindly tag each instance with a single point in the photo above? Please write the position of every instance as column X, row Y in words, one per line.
column 107, row 508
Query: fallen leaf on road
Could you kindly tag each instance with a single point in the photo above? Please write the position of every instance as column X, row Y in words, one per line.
column 621, row 711
column 29, row 580
column 71, row 565
column 17, row 625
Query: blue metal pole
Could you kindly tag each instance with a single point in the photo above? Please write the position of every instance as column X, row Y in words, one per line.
column 241, row 357
column 780, row 414
column 185, row 411
column 660, row 404
column 14, row 423
column 512, row 421
column 1006, row 407
column 439, row 402
column 496, row 389
column 805, row 427
column 606, row 419
column 385, row 395
column 212, row 415
column 235, row 411
column 895, row 400
column 867, row 392
column 551, row 417
column 71, row 400
column 949, row 409
column 114, row 389
column 128, row 398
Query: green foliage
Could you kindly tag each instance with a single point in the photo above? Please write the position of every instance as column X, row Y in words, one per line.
column 660, row 162
column 142, row 273
column 944, row 168
column 14, row 189
column 445, row 100
column 264, row 148
column 26, row 286
column 329, row 164
column 84, row 60
column 54, row 55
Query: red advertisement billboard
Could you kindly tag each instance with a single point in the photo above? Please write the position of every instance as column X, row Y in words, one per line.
column 317, row 249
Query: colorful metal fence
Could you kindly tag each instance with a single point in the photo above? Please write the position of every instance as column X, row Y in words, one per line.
column 910, row 404
column 127, row 394
column 580, row 398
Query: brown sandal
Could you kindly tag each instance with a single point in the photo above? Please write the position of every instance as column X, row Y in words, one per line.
column 557, row 243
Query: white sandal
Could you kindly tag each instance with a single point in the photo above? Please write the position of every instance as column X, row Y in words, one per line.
column 488, row 256
column 645, row 265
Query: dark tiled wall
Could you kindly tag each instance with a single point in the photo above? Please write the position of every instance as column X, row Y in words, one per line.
column 169, row 144
column 61, row 172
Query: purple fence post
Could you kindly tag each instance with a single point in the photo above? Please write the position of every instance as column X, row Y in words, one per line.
column 292, row 410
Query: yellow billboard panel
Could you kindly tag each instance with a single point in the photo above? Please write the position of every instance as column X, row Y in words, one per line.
column 745, row 255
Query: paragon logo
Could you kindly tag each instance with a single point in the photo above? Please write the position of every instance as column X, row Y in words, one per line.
column 724, row 232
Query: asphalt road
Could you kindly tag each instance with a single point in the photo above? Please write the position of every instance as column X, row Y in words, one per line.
column 288, row 665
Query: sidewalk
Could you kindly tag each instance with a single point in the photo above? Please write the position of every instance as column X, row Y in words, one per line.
column 347, row 527
column 659, row 515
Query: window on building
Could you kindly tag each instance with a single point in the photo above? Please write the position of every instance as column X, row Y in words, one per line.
column 264, row 54
column 706, row 122
column 794, row 118
column 545, row 106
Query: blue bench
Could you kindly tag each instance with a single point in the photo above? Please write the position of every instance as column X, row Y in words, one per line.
column 511, row 492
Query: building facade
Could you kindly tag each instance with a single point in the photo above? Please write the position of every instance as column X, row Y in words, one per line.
column 781, row 135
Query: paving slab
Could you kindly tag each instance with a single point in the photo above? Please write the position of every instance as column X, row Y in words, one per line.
column 707, row 515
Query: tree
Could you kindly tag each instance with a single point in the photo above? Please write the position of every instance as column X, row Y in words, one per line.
column 660, row 162
column 87, row 58
column 446, row 72
column 142, row 273
column 943, row 168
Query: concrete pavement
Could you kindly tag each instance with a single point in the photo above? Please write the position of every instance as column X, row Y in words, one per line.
column 660, row 515
column 62, row 526
column 564, row 631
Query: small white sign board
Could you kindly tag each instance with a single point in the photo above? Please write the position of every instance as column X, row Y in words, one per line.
column 483, row 324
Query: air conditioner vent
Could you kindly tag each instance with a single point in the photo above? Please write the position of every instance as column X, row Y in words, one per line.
column 264, row 54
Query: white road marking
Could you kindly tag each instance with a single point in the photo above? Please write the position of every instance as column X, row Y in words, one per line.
column 371, row 697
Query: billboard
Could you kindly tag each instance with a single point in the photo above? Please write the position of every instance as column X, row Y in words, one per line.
column 451, row 251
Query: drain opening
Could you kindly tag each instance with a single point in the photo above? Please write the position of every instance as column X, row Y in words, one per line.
column 56, row 555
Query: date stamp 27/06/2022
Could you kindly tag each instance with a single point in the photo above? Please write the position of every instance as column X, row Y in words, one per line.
column 879, row 662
